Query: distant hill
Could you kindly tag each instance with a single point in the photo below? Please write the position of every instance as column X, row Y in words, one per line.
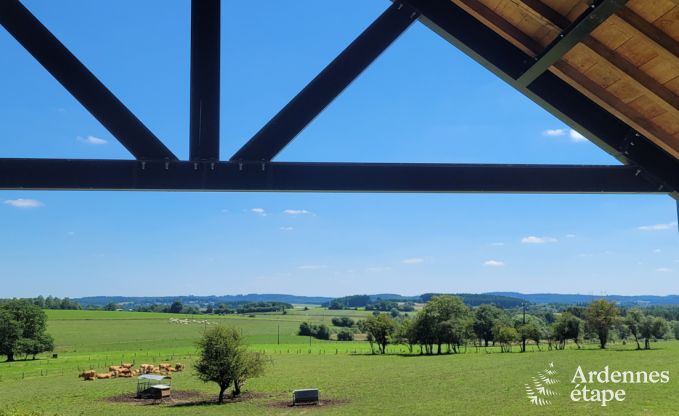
column 576, row 298
column 501, row 299
column 191, row 300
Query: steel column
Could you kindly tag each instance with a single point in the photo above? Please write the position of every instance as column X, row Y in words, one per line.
column 205, row 66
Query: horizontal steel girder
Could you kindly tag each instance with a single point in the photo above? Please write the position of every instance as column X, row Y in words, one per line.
column 68, row 174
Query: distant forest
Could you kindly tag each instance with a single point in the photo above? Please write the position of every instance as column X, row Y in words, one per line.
column 385, row 302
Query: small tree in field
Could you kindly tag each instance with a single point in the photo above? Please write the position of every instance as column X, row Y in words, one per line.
column 380, row 328
column 601, row 316
column 224, row 359
column 652, row 327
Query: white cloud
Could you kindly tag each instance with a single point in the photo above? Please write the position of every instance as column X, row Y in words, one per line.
column 576, row 137
column 570, row 236
column 494, row 263
column 537, row 240
column 312, row 267
column 554, row 132
column 658, row 227
column 663, row 270
column 286, row 228
column 92, row 140
column 259, row 211
column 296, row 212
column 23, row 203
column 498, row 244
column 413, row 260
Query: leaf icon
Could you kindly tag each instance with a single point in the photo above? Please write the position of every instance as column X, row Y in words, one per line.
column 538, row 391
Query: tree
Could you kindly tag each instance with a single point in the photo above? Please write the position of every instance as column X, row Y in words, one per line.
column 531, row 330
column 601, row 315
column 652, row 327
column 22, row 327
column 404, row 332
column 111, row 307
column 323, row 332
column 381, row 328
column 567, row 326
column 485, row 318
column 224, row 359
column 505, row 335
column 444, row 320
column 176, row 307
column 33, row 347
column 633, row 322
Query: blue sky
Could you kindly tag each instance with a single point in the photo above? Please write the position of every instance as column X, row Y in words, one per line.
column 422, row 101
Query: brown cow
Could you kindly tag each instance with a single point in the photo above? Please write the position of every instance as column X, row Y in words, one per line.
column 179, row 367
column 88, row 375
column 127, row 365
column 104, row 375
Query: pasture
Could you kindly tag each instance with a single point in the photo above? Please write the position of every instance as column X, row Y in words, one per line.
column 482, row 381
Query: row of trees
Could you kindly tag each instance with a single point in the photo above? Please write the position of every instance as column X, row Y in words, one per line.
column 51, row 302
column 22, row 330
column 446, row 321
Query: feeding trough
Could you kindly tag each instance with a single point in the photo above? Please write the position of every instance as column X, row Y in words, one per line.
column 152, row 386
column 305, row 396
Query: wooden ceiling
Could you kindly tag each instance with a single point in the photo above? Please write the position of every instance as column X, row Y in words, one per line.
column 629, row 64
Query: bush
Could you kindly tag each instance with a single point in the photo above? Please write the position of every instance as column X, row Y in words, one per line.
column 317, row 331
column 345, row 335
column 323, row 332
column 344, row 321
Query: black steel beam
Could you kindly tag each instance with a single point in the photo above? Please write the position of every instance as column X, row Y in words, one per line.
column 327, row 85
column 595, row 14
column 80, row 82
column 205, row 61
column 548, row 91
column 46, row 174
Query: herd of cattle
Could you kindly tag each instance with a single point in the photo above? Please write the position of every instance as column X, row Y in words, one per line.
column 190, row 321
column 128, row 370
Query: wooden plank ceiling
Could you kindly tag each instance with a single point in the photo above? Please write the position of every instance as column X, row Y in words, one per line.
column 629, row 64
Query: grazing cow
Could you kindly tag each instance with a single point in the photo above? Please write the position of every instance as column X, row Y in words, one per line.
column 164, row 365
column 88, row 375
column 104, row 375
column 179, row 367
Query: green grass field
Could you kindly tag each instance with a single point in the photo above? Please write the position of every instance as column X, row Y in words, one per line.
column 353, row 381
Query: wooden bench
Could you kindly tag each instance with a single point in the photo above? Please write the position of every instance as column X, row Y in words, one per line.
column 305, row 396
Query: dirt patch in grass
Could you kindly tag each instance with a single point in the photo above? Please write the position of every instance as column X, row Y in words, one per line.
column 184, row 398
column 178, row 397
column 287, row 404
column 209, row 400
